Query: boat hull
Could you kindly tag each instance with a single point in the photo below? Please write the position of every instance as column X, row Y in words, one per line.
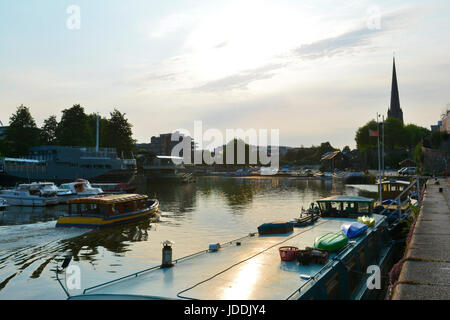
column 115, row 176
column 38, row 202
column 97, row 222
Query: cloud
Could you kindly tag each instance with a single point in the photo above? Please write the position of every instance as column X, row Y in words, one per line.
column 221, row 45
column 241, row 79
column 358, row 37
column 341, row 44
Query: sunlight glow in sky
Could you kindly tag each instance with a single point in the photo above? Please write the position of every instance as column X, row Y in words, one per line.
column 316, row 70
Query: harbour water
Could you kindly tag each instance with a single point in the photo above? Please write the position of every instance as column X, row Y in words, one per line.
column 214, row 209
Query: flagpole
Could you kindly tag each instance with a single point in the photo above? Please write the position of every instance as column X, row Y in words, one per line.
column 382, row 151
column 379, row 164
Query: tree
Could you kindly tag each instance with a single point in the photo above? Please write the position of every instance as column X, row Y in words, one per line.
column 395, row 135
column 415, row 134
column 21, row 134
column 437, row 137
column 48, row 131
column 346, row 149
column 118, row 134
column 103, row 123
column 236, row 146
column 363, row 140
column 73, row 129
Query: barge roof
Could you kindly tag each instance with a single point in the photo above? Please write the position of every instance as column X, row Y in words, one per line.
column 108, row 199
column 341, row 198
column 248, row 268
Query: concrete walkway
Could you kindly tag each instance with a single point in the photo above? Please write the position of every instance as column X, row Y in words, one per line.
column 425, row 274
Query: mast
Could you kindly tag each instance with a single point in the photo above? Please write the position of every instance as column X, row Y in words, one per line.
column 382, row 151
column 97, row 142
column 379, row 162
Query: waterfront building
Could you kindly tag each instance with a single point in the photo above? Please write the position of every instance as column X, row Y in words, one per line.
column 445, row 122
column 65, row 164
column 162, row 145
column 2, row 130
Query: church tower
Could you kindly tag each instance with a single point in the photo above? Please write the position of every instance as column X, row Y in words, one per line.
column 394, row 110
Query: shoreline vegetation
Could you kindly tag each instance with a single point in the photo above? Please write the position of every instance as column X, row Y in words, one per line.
column 77, row 128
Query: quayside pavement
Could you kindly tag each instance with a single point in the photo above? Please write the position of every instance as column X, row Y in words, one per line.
column 425, row 274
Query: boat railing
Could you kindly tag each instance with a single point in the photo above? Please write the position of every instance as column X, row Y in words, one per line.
column 336, row 259
column 401, row 203
column 136, row 274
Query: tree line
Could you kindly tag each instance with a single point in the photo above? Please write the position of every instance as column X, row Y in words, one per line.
column 400, row 142
column 76, row 128
column 308, row 156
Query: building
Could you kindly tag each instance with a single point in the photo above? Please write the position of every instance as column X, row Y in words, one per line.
column 162, row 145
column 333, row 160
column 445, row 122
column 443, row 125
column 394, row 110
column 3, row 130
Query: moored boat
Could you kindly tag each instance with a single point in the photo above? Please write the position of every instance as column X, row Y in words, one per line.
column 114, row 187
column 390, row 190
column 345, row 206
column 81, row 188
column 63, row 195
column 107, row 210
column 29, row 195
column 252, row 268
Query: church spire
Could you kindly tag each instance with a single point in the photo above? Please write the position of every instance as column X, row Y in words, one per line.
column 394, row 110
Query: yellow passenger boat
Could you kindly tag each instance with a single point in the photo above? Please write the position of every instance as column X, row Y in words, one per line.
column 106, row 210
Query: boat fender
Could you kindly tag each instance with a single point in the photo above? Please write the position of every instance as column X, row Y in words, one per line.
column 214, row 247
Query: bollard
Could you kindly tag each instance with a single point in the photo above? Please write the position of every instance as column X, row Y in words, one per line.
column 167, row 254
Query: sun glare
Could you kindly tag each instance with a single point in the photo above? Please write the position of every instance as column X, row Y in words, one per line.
column 244, row 36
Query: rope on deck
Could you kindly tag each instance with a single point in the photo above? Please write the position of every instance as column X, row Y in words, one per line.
column 239, row 262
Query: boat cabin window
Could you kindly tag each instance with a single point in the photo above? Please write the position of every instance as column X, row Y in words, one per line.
column 79, row 187
column 104, row 210
column 350, row 207
column 364, row 208
column 128, row 207
column 86, row 209
column 330, row 208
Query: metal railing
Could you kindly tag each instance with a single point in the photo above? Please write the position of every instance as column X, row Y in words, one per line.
column 401, row 203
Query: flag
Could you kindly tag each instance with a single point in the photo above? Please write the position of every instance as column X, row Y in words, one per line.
column 373, row 133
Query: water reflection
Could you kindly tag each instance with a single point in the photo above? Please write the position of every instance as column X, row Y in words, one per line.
column 16, row 215
column 116, row 240
column 211, row 210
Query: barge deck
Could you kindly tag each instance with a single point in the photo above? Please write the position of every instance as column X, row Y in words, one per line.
column 250, row 268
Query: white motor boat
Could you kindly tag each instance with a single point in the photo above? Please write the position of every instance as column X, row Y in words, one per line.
column 81, row 188
column 49, row 187
column 29, row 195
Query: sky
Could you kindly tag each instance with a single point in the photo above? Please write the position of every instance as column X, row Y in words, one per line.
column 316, row 70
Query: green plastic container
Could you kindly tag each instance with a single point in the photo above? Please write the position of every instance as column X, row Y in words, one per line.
column 331, row 241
